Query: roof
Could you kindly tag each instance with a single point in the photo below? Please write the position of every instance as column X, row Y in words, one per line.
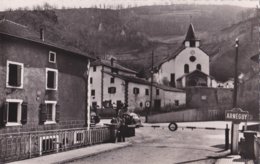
column 172, row 56
column 15, row 30
column 255, row 58
column 168, row 88
column 145, row 82
column 190, row 35
column 187, row 74
column 115, row 65
column 130, row 78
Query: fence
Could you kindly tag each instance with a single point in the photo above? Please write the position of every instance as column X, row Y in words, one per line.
column 257, row 149
column 188, row 115
column 17, row 146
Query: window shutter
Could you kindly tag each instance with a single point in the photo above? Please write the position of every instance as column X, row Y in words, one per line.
column 51, row 79
column 57, row 118
column 24, row 113
column 3, row 114
column 43, row 113
column 19, row 75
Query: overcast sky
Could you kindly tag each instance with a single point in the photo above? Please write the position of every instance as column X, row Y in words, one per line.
column 14, row 4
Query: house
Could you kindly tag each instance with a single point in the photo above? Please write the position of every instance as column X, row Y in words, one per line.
column 188, row 66
column 112, row 84
column 43, row 86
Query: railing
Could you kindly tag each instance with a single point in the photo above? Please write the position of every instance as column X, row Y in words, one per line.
column 17, row 146
column 257, row 149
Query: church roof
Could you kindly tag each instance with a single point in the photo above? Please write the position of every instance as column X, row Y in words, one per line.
column 195, row 71
column 190, row 35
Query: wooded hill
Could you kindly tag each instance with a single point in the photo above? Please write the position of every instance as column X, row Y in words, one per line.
column 131, row 34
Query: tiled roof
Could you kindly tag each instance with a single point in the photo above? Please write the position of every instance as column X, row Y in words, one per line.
column 12, row 29
column 115, row 65
column 145, row 82
column 130, row 78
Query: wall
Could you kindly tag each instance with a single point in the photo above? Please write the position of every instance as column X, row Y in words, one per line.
column 207, row 98
column 188, row 115
column 120, row 89
column 96, row 85
column 71, row 95
column 248, row 96
column 183, row 58
column 134, row 100
column 164, row 73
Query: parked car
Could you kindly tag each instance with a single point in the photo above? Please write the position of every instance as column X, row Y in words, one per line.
column 136, row 119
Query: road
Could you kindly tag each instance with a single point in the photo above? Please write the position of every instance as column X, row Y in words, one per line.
column 161, row 146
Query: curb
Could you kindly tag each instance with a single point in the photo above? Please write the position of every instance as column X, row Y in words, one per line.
column 92, row 154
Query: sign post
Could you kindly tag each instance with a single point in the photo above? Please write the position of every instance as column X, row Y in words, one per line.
column 147, row 106
column 236, row 115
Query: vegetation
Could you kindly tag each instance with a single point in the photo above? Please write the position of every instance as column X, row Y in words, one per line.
column 132, row 33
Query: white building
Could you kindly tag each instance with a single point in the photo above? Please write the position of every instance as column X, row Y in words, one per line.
column 189, row 66
column 112, row 83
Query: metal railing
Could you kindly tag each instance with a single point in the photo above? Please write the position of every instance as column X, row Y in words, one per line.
column 17, row 146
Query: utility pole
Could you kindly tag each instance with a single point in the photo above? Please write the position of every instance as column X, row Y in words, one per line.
column 151, row 90
column 235, row 125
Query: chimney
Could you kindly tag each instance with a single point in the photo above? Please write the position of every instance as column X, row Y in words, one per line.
column 42, row 34
column 112, row 62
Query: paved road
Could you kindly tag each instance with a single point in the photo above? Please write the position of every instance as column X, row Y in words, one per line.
column 160, row 146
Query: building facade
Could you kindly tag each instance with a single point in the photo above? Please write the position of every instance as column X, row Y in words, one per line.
column 42, row 86
column 188, row 66
column 114, row 84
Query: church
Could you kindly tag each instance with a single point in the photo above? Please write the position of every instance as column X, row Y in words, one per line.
column 187, row 67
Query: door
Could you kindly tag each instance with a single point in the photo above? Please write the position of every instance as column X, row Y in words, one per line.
column 157, row 105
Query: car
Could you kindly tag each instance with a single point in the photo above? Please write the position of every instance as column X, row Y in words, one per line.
column 137, row 120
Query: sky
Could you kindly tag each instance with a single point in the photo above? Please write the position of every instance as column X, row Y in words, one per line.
column 14, row 4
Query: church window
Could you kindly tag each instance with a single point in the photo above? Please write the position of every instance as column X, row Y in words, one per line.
column 192, row 58
column 198, row 67
column 186, row 68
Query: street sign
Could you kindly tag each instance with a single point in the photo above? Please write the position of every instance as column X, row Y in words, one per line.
column 236, row 114
column 147, row 104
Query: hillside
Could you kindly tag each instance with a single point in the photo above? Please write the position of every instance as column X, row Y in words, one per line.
column 131, row 34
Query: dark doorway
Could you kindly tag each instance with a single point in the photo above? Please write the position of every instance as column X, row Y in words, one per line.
column 157, row 105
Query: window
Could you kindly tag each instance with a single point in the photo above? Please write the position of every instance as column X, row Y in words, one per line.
column 172, row 83
column 192, row 58
column 52, row 57
column 141, row 104
column 146, row 92
column 192, row 43
column 91, row 80
column 14, row 75
column 198, row 67
column 94, row 68
column 93, row 92
column 157, row 91
column 14, row 112
column 176, row 102
column 186, row 68
column 51, row 79
column 50, row 112
column 112, row 90
column 112, row 80
column 78, row 137
column 136, row 91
